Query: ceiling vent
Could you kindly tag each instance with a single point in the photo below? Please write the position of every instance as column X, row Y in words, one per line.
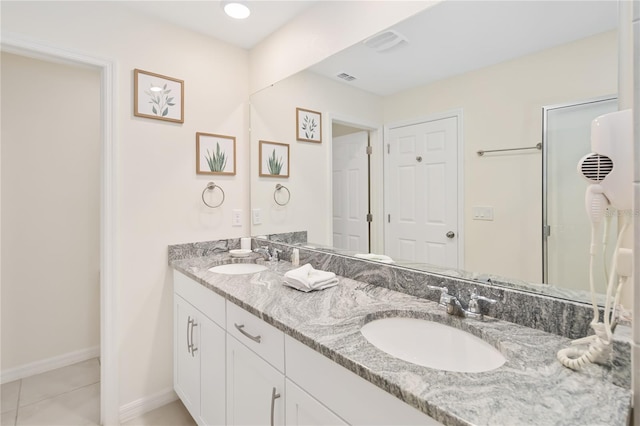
column 346, row 77
column 385, row 41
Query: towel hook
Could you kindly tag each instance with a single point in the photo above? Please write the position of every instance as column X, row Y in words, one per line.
column 278, row 188
column 211, row 187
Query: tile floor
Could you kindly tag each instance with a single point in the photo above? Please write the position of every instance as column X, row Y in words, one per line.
column 71, row 396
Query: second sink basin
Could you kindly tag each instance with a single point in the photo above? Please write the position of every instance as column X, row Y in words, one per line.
column 238, row 268
column 432, row 345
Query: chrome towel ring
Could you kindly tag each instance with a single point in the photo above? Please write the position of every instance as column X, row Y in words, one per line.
column 210, row 187
column 278, row 188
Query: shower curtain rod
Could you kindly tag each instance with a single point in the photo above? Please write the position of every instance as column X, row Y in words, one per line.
column 482, row 152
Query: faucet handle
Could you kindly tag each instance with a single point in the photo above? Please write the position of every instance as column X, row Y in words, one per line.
column 275, row 254
column 475, row 297
column 444, row 294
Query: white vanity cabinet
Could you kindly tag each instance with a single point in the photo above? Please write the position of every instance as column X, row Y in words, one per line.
column 230, row 368
column 199, row 350
column 255, row 370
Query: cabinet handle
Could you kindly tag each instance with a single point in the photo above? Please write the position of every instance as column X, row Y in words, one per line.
column 274, row 396
column 188, row 334
column 193, row 346
column 241, row 330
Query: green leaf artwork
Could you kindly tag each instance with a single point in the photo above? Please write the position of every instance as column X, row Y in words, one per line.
column 309, row 126
column 217, row 161
column 274, row 165
column 159, row 99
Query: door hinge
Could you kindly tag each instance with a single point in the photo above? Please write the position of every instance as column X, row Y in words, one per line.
column 389, row 218
column 388, row 148
column 546, row 230
column 369, row 217
column 369, row 150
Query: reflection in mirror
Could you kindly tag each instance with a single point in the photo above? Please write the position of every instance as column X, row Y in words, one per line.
column 466, row 77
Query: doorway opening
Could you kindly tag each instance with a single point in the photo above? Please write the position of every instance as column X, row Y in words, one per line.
column 109, row 403
column 565, row 225
column 354, row 200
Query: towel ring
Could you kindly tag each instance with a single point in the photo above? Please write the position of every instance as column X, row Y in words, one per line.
column 210, row 187
column 278, row 188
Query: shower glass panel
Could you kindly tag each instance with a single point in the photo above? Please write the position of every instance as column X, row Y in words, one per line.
column 566, row 227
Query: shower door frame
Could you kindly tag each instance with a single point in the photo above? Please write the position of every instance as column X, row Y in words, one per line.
column 545, row 153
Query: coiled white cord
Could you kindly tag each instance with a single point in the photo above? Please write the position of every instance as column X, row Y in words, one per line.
column 599, row 344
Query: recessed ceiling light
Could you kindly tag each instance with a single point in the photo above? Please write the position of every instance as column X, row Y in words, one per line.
column 236, row 9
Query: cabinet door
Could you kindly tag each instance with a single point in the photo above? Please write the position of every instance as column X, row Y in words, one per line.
column 304, row 410
column 255, row 390
column 211, row 350
column 186, row 368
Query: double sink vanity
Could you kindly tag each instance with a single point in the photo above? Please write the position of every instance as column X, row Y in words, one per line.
column 249, row 350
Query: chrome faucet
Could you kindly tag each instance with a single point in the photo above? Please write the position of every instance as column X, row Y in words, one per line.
column 454, row 307
column 275, row 254
column 264, row 251
column 270, row 254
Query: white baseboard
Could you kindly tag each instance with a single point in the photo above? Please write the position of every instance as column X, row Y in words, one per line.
column 48, row 364
column 143, row 405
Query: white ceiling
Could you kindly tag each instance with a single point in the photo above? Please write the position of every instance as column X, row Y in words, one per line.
column 207, row 17
column 454, row 37
column 450, row 38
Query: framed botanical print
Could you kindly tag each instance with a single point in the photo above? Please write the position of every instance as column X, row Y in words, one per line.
column 157, row 96
column 215, row 154
column 308, row 125
column 274, row 159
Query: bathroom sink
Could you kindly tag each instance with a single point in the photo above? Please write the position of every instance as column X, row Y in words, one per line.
column 238, row 268
column 432, row 345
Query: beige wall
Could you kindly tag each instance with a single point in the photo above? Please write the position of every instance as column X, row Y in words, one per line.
column 273, row 119
column 158, row 192
column 51, row 212
column 502, row 108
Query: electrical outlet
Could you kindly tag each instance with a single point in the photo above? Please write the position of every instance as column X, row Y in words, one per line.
column 482, row 213
column 236, row 218
column 256, row 216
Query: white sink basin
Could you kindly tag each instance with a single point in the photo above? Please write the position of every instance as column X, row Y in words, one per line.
column 238, row 268
column 432, row 345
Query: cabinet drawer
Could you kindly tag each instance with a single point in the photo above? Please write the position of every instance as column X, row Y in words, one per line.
column 262, row 338
column 206, row 301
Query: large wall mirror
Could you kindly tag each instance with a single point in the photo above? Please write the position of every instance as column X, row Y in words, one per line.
column 425, row 98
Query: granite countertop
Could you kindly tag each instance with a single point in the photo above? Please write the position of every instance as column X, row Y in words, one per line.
column 531, row 388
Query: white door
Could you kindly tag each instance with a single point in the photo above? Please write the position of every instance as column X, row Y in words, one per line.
column 304, row 410
column 186, row 373
column 351, row 192
column 212, row 353
column 422, row 193
column 255, row 390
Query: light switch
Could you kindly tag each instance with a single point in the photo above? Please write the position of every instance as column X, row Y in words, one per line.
column 236, row 217
column 482, row 213
column 256, row 216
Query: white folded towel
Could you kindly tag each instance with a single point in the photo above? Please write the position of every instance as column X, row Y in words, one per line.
column 305, row 278
column 377, row 257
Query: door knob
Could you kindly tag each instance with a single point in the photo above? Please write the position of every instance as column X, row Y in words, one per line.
column 451, row 234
